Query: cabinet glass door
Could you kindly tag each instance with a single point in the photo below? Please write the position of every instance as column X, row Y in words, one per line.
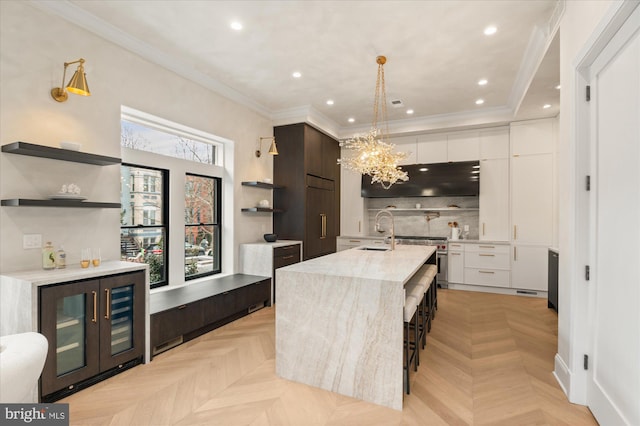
column 121, row 317
column 70, row 333
column 69, row 320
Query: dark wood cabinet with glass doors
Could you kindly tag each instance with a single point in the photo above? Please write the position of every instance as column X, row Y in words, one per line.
column 95, row 329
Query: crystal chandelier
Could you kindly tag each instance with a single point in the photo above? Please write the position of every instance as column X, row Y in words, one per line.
column 373, row 154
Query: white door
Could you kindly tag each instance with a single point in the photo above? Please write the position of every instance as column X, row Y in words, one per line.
column 613, row 376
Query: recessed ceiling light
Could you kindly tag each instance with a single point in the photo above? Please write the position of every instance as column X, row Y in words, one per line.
column 479, row 101
column 409, row 111
column 236, row 25
column 558, row 87
column 476, row 167
column 351, row 120
column 475, row 171
column 482, row 82
column 545, row 106
column 296, row 74
column 330, row 102
column 423, row 169
column 490, row 30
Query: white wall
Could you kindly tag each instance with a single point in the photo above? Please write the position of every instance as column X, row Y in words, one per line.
column 33, row 47
column 578, row 23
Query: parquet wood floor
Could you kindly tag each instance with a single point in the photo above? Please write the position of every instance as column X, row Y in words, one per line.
column 488, row 361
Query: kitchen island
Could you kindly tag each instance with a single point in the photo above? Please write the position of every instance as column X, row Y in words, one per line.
column 339, row 321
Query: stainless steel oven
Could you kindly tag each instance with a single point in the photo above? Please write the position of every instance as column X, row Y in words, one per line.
column 441, row 252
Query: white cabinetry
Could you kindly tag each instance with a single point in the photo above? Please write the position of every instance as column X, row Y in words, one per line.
column 494, row 199
column 533, row 195
column 432, row 149
column 494, row 184
column 455, row 267
column 529, row 267
column 351, row 201
column 443, row 147
column 345, row 243
column 486, row 265
column 463, row 146
column 408, row 146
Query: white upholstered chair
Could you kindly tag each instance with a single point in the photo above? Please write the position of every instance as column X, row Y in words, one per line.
column 22, row 359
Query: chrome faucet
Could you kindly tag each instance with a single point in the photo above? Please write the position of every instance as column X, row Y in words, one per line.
column 377, row 225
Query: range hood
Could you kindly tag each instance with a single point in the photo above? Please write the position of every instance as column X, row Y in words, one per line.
column 430, row 180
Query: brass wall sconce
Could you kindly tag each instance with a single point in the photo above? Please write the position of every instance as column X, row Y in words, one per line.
column 273, row 150
column 77, row 84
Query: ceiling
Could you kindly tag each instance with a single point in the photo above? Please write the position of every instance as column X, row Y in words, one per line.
column 436, row 53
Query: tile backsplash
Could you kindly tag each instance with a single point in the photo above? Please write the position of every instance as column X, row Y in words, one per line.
column 415, row 222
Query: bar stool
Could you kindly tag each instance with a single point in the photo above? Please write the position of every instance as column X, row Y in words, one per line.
column 433, row 270
column 410, row 347
column 416, row 288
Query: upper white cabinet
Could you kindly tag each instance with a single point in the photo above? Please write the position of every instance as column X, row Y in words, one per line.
column 463, row 146
column 532, row 137
column 432, row 149
column 494, row 199
column 494, row 143
column 408, row 146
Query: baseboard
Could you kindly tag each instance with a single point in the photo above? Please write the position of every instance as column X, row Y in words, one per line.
column 562, row 374
column 498, row 290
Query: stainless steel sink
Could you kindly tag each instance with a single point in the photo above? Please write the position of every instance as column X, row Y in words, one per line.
column 374, row 248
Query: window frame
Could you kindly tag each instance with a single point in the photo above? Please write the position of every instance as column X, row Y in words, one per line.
column 164, row 194
column 217, row 213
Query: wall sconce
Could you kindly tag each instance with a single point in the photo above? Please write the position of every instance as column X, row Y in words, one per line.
column 77, row 84
column 273, row 150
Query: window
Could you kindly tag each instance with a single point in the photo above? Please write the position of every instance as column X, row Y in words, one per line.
column 202, row 226
column 181, row 240
column 143, row 224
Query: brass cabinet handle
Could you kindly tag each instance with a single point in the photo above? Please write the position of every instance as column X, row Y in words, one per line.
column 355, row 241
column 95, row 306
column 486, row 272
column 359, row 224
column 515, row 253
column 182, row 307
column 287, row 257
column 487, row 255
column 483, row 228
column 454, row 254
column 107, row 313
column 487, row 247
column 515, row 232
column 323, row 226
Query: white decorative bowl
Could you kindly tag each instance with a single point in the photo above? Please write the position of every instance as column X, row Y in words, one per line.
column 71, row 146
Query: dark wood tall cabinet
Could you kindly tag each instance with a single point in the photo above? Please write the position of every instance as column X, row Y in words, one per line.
column 307, row 167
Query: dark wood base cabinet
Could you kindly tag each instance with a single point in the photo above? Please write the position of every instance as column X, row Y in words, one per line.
column 181, row 323
column 95, row 329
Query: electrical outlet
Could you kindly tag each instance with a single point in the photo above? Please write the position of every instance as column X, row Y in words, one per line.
column 31, row 241
column 466, row 228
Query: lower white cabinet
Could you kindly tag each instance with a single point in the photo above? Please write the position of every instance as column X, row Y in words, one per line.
column 487, row 265
column 455, row 266
column 345, row 243
column 529, row 265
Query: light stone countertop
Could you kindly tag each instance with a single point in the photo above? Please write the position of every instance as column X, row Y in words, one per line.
column 339, row 321
column 393, row 266
column 277, row 243
column 41, row 277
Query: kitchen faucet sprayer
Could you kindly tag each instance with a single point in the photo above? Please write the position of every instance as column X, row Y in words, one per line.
column 387, row 214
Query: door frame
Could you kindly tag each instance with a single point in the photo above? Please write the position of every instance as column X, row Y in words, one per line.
column 581, row 303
